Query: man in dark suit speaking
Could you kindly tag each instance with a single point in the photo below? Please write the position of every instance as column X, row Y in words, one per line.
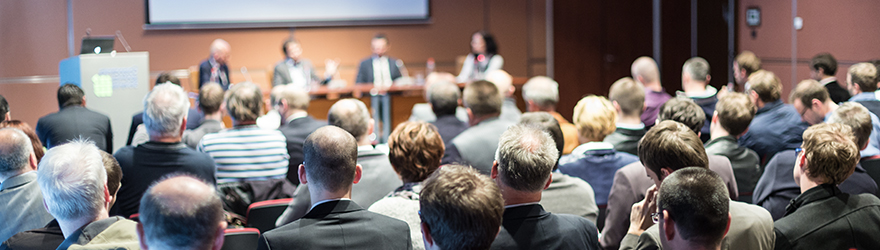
column 334, row 221
column 379, row 68
column 214, row 69
column 526, row 156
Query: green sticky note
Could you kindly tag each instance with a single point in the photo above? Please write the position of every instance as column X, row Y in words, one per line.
column 103, row 85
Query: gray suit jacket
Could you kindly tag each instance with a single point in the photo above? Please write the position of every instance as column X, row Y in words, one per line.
column 21, row 205
column 423, row 112
column 564, row 189
column 377, row 180
column 751, row 227
column 192, row 137
column 476, row 146
column 509, row 110
column 282, row 72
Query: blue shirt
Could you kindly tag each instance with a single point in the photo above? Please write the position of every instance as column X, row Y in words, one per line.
column 777, row 126
column 596, row 163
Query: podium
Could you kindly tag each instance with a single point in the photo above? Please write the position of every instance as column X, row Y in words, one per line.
column 114, row 84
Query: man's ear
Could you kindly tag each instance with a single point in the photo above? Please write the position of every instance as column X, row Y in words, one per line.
column 84, row 101
column 708, row 77
column 182, row 126
column 358, row 172
column 370, row 125
column 715, row 117
column 669, row 226
column 494, row 173
column 219, row 236
column 141, row 238
column 107, row 198
column 32, row 161
column 815, row 102
column 729, row 218
column 549, row 180
column 664, row 172
column 426, row 235
column 617, row 107
column 301, row 174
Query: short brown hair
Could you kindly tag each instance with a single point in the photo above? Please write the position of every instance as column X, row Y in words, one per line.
column 807, row 90
column 114, row 172
column 482, row 98
column 461, row 207
column 735, row 112
column 296, row 98
column 670, row 144
column 629, row 95
column 697, row 68
column 683, row 110
column 864, row 75
column 210, row 98
column 166, row 77
column 748, row 61
column 415, row 150
column 244, row 101
column 826, row 62
column 595, row 117
column 767, row 85
column 830, row 151
column 857, row 117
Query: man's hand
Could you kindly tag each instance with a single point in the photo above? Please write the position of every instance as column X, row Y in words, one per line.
column 640, row 217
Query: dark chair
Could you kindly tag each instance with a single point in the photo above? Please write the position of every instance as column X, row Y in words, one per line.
column 262, row 215
column 135, row 217
column 241, row 239
column 872, row 166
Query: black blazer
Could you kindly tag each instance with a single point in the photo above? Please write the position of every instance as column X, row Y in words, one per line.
column 296, row 132
column 72, row 122
column 205, row 74
column 837, row 93
column 339, row 224
column 365, row 70
column 530, row 227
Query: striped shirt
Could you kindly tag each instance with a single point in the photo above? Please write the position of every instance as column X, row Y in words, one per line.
column 247, row 153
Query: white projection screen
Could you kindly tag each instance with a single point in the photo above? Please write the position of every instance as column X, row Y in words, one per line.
column 218, row 14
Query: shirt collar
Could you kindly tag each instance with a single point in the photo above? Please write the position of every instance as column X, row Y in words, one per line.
column 864, row 96
column 710, row 91
column 593, row 145
column 19, row 180
column 828, row 80
column 328, row 200
column 365, row 148
column 631, row 126
column 521, row 204
column 295, row 115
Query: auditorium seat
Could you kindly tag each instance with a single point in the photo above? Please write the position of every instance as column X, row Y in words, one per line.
column 134, row 217
column 241, row 239
column 262, row 215
column 194, row 78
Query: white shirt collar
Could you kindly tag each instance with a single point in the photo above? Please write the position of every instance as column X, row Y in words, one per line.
column 521, row 204
column 325, row 201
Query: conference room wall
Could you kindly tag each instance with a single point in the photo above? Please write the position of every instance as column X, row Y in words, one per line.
column 34, row 40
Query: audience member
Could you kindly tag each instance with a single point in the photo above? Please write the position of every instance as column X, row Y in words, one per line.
column 423, row 112
column 692, row 210
column 39, row 150
column 815, row 105
column 272, row 118
column 823, row 67
column 631, row 181
column 75, row 191
column 73, row 121
column 484, row 58
column 165, row 110
column 504, row 82
column 695, row 85
column 776, row 188
column 541, row 94
column 293, row 104
column 595, row 161
column 476, row 145
column 733, row 113
column 444, row 98
column 823, row 217
column 628, row 98
column 460, row 208
column 296, row 70
column 415, row 152
column 335, row 221
column 4, row 109
column 645, row 71
column 20, row 198
column 194, row 117
column 861, row 80
column 744, row 65
column 526, row 156
column 378, row 177
column 379, row 68
column 563, row 188
column 181, row 212
column 214, row 69
column 777, row 126
column 210, row 103
column 666, row 148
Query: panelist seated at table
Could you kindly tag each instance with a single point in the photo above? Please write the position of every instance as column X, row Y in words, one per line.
column 297, row 70
column 379, row 67
column 483, row 58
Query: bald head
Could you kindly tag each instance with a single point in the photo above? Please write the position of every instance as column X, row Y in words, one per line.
column 645, row 71
column 181, row 212
column 15, row 152
column 351, row 115
column 502, row 80
column 330, row 159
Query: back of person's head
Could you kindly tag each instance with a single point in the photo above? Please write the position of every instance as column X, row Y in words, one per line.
column 351, row 115
column 831, row 153
column 444, row 96
column 482, row 98
column 541, row 90
column 876, row 63
column 807, row 90
column 697, row 68
column 549, row 124
column 15, row 151
column 164, row 110
column 181, row 212
column 29, row 131
column 4, row 108
column 748, row 61
column 645, row 70
column 766, row 85
column 595, row 117
column 670, row 144
column 735, row 112
column 629, row 95
column 697, row 201
column 526, row 156
column 864, row 76
column 501, row 79
column 114, row 172
column 210, row 98
column 415, row 150
column 460, row 208
column 825, row 62
column 857, row 117
column 244, row 102
column 683, row 110
column 330, row 155
column 70, row 95
column 166, row 77
column 296, row 98
column 72, row 178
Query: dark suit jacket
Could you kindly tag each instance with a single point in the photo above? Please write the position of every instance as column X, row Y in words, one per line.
column 46, row 238
column 365, row 70
column 339, row 225
column 626, row 140
column 296, row 132
column 837, row 93
column 449, row 127
column 530, row 227
column 72, row 122
column 825, row 218
column 205, row 74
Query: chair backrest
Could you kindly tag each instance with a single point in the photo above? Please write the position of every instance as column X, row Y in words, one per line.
column 262, row 215
column 241, row 239
column 872, row 166
column 135, row 217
